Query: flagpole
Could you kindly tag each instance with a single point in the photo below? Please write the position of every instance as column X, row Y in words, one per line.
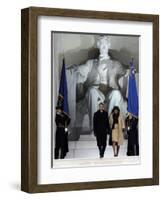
column 63, row 56
column 132, row 59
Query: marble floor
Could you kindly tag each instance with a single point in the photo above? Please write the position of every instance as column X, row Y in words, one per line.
column 84, row 153
column 86, row 147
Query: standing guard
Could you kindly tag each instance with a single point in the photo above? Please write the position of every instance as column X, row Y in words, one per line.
column 62, row 117
column 61, row 140
column 133, row 137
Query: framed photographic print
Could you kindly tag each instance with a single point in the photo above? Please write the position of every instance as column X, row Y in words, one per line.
column 90, row 99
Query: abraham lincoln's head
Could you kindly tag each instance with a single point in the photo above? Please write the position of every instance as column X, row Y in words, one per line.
column 103, row 44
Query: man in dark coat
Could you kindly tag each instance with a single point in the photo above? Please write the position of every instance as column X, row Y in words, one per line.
column 101, row 128
column 61, row 139
column 133, row 138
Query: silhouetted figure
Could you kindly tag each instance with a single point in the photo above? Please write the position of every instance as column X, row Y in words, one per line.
column 133, row 138
column 101, row 128
column 61, row 139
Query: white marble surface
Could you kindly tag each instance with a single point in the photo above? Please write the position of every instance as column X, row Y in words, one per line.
column 86, row 147
column 84, row 153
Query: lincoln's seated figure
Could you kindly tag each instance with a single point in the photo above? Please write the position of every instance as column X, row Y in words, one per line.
column 99, row 80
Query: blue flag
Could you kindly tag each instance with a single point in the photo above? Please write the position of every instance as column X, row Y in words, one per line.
column 63, row 92
column 133, row 105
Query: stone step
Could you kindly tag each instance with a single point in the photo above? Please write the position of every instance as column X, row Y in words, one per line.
column 93, row 152
column 87, row 145
column 87, row 138
column 96, row 161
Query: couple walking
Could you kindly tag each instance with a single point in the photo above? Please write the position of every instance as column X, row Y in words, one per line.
column 112, row 125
